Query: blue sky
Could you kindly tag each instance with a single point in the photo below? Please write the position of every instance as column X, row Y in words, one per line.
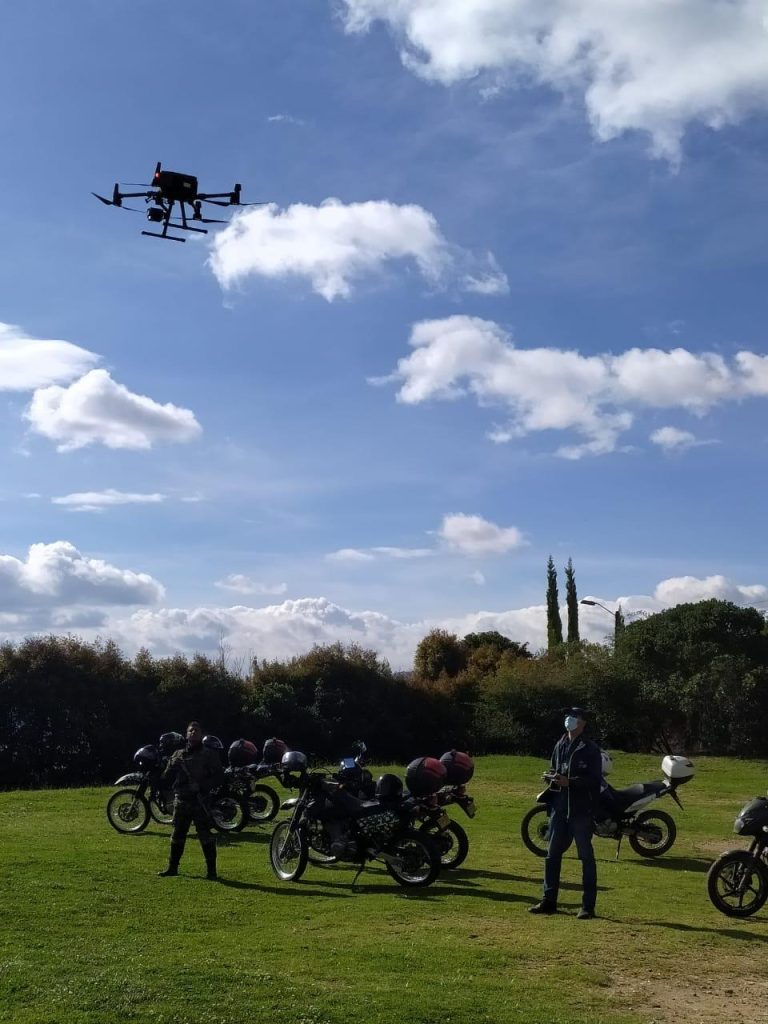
column 569, row 218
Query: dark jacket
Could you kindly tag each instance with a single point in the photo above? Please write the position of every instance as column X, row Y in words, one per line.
column 194, row 771
column 580, row 760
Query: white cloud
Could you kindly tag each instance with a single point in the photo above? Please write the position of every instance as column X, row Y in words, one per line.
column 682, row 589
column 335, row 244
column 28, row 363
column 97, row 410
column 473, row 535
column 478, row 578
column 97, row 501
column 649, row 65
column 57, row 575
column 285, row 119
column 350, row 555
column 673, row 439
column 241, row 584
column 403, row 553
column 556, row 389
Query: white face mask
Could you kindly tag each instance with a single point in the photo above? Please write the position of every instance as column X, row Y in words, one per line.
column 571, row 723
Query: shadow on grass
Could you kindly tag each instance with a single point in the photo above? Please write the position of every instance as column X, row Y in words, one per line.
column 677, row 863
column 296, row 889
column 459, row 876
column 729, row 933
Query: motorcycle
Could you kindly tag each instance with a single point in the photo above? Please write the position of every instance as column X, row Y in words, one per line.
column 451, row 839
column 327, row 818
column 737, row 882
column 130, row 809
column 620, row 812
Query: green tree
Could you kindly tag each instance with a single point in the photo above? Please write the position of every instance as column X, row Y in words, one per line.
column 438, row 654
column 572, row 601
column 554, row 622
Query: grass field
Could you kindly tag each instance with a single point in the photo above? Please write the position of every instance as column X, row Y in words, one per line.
column 90, row 935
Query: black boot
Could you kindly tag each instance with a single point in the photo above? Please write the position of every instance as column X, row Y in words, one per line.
column 209, row 851
column 177, row 849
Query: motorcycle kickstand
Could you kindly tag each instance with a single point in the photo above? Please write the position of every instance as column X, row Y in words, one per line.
column 359, row 872
column 618, row 847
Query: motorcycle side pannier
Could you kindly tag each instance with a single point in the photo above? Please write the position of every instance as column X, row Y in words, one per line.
column 242, row 753
column 425, row 776
column 273, row 752
column 460, row 767
column 677, row 769
column 147, row 757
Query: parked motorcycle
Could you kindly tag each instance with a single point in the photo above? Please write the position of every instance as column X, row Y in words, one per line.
column 130, row 809
column 448, row 835
column 620, row 812
column 261, row 803
column 328, row 819
column 737, row 882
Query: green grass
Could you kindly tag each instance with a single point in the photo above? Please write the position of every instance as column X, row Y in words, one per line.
column 89, row 934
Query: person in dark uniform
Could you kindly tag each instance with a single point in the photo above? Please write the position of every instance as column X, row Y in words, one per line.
column 575, row 775
column 193, row 772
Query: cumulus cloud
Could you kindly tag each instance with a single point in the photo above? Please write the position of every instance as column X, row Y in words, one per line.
column 29, row 363
column 97, row 501
column 57, row 575
column 545, row 389
column 335, row 244
column 648, row 65
column 97, row 410
column 241, row 584
column 350, row 555
column 473, row 535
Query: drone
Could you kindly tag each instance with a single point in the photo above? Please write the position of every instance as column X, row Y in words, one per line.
column 166, row 190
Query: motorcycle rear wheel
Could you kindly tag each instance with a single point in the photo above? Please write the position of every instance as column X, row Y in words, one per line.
column 288, row 852
column 421, row 861
column 263, row 804
column 737, row 884
column 127, row 811
column 452, row 842
column 647, row 845
column 534, row 830
column 228, row 815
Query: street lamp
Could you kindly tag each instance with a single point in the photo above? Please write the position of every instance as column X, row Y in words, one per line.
column 618, row 617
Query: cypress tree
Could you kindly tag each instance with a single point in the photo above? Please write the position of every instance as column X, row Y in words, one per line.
column 572, row 601
column 554, row 623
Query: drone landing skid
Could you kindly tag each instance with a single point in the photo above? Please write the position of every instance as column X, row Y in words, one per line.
column 160, row 234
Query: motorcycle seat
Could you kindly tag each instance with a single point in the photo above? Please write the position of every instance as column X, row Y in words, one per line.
column 624, row 798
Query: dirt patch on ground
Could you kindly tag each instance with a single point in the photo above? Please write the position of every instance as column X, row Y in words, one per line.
column 689, row 998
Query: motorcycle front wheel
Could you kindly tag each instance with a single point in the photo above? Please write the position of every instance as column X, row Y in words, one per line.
column 737, row 884
column 656, row 833
column 288, row 852
column 263, row 804
column 228, row 814
column 452, row 843
column 420, row 860
column 534, row 830
column 127, row 811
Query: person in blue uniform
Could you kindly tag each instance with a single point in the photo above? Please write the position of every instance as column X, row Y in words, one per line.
column 575, row 775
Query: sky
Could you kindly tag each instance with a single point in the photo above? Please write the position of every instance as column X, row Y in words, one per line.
column 505, row 298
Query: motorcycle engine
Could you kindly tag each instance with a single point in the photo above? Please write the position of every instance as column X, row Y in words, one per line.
column 606, row 828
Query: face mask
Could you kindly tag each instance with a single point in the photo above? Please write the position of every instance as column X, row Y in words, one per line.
column 571, row 723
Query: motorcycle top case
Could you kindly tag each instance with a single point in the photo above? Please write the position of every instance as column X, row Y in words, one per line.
column 242, row 753
column 677, row 769
column 147, row 757
column 460, row 767
column 752, row 817
column 425, row 776
column 273, row 751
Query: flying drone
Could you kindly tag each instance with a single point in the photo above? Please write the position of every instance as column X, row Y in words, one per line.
column 166, row 190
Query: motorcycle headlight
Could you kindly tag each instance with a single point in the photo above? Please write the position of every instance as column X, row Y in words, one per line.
column 738, row 825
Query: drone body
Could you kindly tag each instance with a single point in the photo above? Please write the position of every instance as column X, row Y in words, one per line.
column 169, row 188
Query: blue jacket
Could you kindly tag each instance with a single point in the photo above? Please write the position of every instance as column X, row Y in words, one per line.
column 580, row 760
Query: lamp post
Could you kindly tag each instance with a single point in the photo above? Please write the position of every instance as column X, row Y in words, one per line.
column 618, row 615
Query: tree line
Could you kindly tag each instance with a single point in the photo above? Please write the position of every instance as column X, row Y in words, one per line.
column 693, row 678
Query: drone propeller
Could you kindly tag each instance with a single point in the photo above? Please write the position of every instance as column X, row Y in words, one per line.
column 110, row 202
column 107, row 202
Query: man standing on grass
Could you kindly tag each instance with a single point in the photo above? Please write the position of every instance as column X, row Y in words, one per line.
column 575, row 777
column 193, row 772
